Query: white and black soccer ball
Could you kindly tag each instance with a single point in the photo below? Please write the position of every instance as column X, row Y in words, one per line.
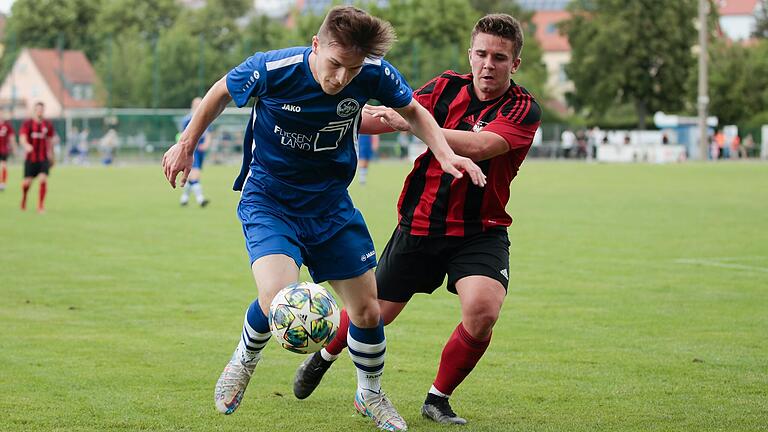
column 304, row 317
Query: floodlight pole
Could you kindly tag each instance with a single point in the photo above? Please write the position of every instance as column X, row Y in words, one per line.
column 703, row 98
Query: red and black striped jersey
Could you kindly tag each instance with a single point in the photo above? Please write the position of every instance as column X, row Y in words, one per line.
column 434, row 203
column 6, row 132
column 39, row 134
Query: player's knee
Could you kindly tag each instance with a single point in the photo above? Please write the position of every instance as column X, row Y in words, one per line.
column 365, row 315
column 480, row 321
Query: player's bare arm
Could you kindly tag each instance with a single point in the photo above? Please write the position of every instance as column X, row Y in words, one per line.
column 476, row 146
column 49, row 150
column 178, row 159
column 423, row 125
column 25, row 144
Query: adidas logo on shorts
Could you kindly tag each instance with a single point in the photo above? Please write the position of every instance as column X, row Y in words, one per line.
column 505, row 274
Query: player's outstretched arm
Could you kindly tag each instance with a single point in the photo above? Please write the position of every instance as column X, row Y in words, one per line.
column 476, row 146
column 425, row 127
column 178, row 158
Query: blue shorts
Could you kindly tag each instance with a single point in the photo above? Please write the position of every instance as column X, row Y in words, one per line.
column 199, row 159
column 365, row 150
column 333, row 247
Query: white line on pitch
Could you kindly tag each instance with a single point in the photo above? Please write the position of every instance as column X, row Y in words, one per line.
column 714, row 263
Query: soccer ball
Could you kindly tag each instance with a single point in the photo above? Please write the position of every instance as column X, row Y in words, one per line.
column 304, row 317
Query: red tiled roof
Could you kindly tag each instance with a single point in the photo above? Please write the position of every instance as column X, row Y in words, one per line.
column 737, row 7
column 72, row 65
column 544, row 21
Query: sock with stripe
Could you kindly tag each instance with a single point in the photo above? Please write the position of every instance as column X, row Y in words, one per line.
column 460, row 355
column 255, row 335
column 367, row 347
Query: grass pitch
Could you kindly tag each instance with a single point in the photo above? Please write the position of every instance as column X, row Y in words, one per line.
column 638, row 301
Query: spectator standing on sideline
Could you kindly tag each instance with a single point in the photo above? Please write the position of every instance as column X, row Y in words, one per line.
column 567, row 141
column 404, row 142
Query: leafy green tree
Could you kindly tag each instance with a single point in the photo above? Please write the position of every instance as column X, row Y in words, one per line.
column 738, row 84
column 141, row 18
column 64, row 24
column 635, row 52
column 125, row 70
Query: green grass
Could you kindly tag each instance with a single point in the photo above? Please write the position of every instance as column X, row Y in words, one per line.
column 638, row 301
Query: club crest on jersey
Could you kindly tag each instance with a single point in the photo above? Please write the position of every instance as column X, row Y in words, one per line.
column 347, row 107
column 479, row 126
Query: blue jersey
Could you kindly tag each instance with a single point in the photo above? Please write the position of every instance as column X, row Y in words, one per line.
column 299, row 145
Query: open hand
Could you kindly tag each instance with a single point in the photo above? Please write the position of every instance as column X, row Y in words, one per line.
column 455, row 164
column 176, row 161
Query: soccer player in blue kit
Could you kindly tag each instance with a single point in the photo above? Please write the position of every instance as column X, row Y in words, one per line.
column 194, row 183
column 299, row 160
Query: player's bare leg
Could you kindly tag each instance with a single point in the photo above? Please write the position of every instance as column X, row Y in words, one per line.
column 43, row 190
column 25, row 185
column 367, row 346
column 3, row 174
column 271, row 273
column 481, row 299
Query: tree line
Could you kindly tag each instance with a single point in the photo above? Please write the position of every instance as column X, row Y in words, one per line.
column 156, row 53
column 629, row 59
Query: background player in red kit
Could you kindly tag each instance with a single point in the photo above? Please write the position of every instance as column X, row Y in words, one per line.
column 7, row 144
column 36, row 137
column 449, row 226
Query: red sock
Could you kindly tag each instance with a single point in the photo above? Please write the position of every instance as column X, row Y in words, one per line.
column 4, row 175
column 339, row 342
column 460, row 355
column 43, row 188
column 24, row 190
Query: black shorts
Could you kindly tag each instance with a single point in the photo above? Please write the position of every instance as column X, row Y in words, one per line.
column 418, row 264
column 3, row 156
column 33, row 169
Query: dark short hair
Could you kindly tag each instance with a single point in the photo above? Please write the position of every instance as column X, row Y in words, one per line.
column 39, row 103
column 502, row 25
column 355, row 29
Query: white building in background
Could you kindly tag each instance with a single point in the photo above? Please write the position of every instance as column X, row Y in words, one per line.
column 738, row 18
column 555, row 53
column 60, row 79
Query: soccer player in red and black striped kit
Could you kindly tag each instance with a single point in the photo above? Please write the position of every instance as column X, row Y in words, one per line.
column 36, row 137
column 7, row 143
column 448, row 226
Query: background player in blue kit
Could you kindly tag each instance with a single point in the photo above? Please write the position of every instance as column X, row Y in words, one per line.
column 366, row 149
column 299, row 161
column 197, row 164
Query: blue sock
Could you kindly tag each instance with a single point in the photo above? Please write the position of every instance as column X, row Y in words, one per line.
column 367, row 347
column 256, row 332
